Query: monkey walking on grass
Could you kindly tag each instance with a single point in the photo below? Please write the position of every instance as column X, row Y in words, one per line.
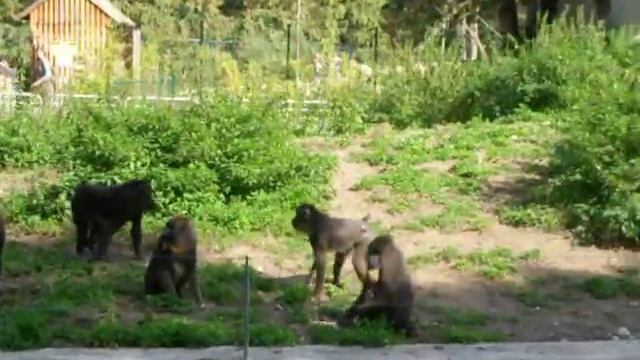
column 173, row 263
column 330, row 234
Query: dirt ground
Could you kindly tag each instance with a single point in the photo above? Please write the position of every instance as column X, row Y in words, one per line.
column 576, row 317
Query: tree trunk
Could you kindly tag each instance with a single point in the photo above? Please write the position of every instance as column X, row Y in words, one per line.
column 472, row 34
column 508, row 20
column 298, row 19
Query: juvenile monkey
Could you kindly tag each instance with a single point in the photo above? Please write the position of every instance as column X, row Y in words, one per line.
column 173, row 262
column 391, row 296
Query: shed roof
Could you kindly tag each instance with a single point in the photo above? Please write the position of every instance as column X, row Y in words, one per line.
column 105, row 5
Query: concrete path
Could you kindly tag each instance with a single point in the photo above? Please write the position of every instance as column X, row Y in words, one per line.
column 597, row 350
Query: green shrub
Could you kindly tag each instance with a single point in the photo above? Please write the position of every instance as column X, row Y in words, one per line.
column 296, row 294
column 606, row 287
column 467, row 335
column 24, row 329
column 174, row 332
column 272, row 335
column 226, row 164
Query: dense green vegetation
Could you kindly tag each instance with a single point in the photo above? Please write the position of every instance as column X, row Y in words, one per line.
column 220, row 162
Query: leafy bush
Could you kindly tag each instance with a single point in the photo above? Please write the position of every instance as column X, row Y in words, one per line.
column 295, row 294
column 606, row 287
column 223, row 163
column 24, row 329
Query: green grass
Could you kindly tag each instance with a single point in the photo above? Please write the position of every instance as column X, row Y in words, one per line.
column 477, row 151
column 465, row 335
column 446, row 255
column 496, row 263
column 464, row 327
column 459, row 215
column 539, row 216
column 533, row 298
column 295, row 294
column 67, row 300
column 364, row 334
column 608, row 287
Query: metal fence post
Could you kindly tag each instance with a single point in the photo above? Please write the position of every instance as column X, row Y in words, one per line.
column 375, row 57
column 247, row 303
column 172, row 85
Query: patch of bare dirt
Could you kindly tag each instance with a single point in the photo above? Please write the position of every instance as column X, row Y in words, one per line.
column 270, row 264
column 24, row 180
column 316, row 144
column 348, row 202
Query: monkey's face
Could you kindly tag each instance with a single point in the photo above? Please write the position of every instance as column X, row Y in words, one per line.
column 303, row 218
column 168, row 239
column 167, row 242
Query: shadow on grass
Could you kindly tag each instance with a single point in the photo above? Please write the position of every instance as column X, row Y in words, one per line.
column 524, row 199
column 50, row 297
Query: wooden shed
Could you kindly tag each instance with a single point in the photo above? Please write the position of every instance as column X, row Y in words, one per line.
column 73, row 34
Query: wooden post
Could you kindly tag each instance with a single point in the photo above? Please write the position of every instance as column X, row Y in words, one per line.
column 375, row 46
column 288, row 49
column 298, row 19
column 137, row 52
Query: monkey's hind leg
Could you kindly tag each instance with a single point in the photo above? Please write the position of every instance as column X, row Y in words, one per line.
column 338, row 263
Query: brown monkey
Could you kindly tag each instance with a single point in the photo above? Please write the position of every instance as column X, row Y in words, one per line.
column 337, row 235
column 173, row 262
column 391, row 296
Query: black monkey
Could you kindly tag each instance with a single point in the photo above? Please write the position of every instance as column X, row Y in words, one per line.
column 337, row 235
column 391, row 295
column 100, row 210
column 2, row 238
column 173, row 262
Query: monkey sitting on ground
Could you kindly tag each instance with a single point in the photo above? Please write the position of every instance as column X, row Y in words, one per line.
column 337, row 235
column 2, row 238
column 391, row 295
column 99, row 211
column 173, row 262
